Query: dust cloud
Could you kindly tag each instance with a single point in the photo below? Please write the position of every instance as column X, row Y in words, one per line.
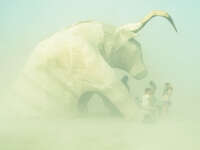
column 99, row 130
column 169, row 57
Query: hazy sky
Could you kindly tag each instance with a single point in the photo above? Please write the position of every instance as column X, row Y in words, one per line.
column 170, row 56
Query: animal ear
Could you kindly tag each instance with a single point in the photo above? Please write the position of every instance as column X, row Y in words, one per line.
column 125, row 35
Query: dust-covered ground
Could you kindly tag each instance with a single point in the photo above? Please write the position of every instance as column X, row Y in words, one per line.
column 100, row 133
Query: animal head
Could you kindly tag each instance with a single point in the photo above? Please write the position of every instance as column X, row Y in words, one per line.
column 126, row 52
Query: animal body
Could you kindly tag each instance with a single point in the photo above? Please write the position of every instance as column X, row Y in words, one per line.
column 81, row 59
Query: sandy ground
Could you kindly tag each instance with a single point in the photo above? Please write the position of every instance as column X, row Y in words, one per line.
column 100, row 133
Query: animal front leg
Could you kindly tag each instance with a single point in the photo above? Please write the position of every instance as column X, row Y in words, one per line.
column 120, row 97
column 86, row 97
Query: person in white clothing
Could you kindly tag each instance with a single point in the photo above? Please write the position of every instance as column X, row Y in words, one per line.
column 146, row 104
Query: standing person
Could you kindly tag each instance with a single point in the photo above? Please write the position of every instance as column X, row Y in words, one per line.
column 146, row 104
column 146, row 98
column 167, row 92
column 154, row 101
column 153, row 88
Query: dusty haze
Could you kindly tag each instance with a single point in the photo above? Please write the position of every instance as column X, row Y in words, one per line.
column 169, row 56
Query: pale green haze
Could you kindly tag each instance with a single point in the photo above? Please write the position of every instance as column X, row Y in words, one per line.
column 169, row 57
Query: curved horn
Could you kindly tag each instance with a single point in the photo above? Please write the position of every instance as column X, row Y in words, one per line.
column 138, row 26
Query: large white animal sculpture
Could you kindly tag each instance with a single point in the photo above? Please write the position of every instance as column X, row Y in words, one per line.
column 81, row 59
